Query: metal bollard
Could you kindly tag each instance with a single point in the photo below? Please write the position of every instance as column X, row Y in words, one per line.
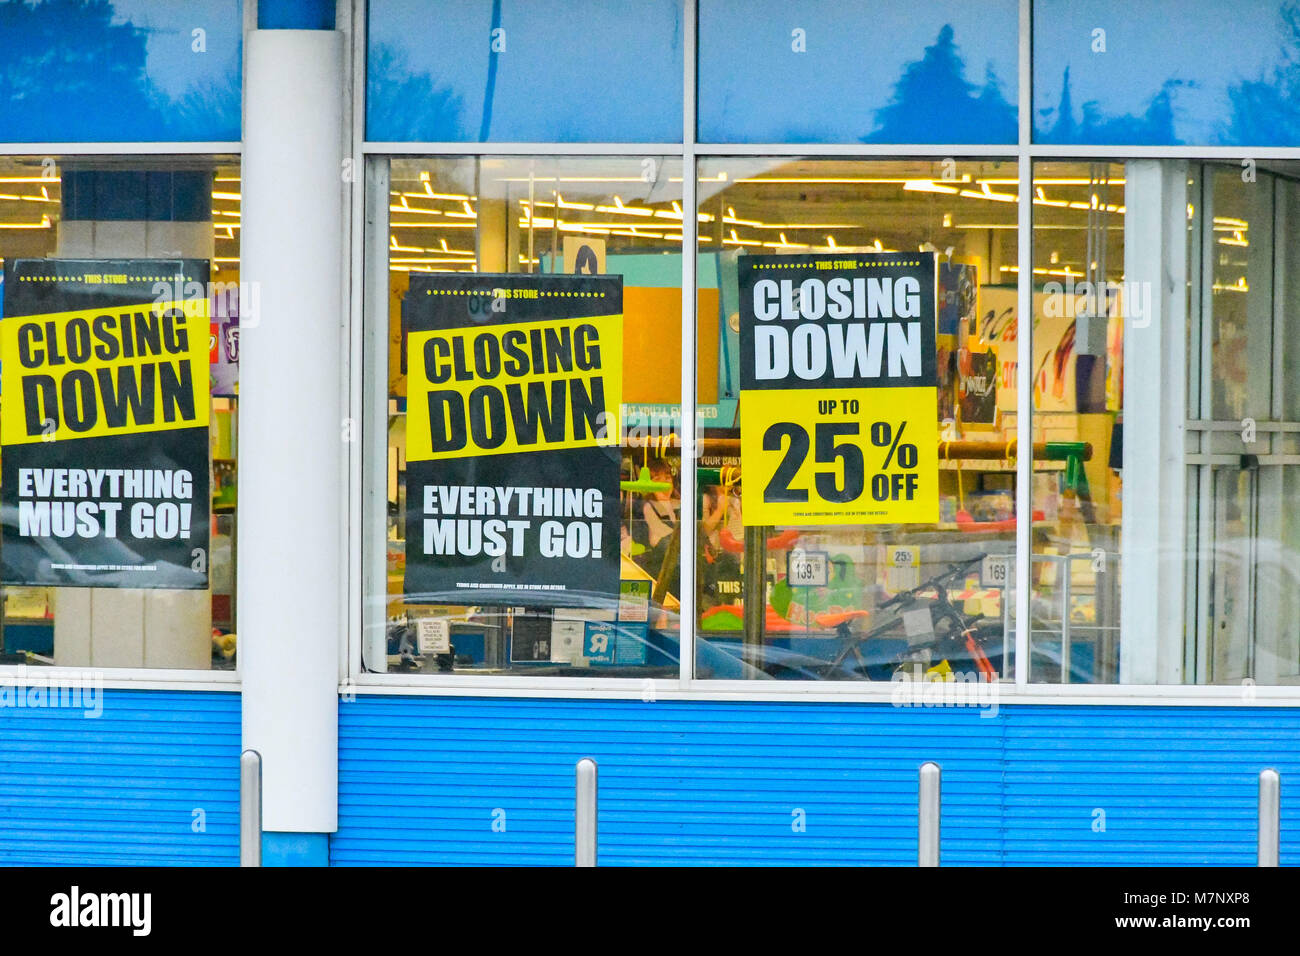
column 250, row 808
column 927, row 816
column 1270, row 809
column 584, row 814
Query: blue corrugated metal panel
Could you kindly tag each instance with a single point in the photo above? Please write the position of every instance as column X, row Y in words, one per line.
column 422, row 780
column 122, row 788
column 708, row 782
column 1178, row 786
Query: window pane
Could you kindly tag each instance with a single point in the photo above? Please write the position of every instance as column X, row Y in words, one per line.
column 1248, row 570
column 1116, row 73
column 120, row 425
column 118, row 72
column 1241, row 299
column 532, row 477
column 526, row 71
column 890, row 71
column 856, row 523
column 1078, row 387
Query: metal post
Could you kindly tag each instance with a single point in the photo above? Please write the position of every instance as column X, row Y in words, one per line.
column 1067, row 568
column 584, row 815
column 927, row 816
column 754, row 583
column 1270, row 806
column 250, row 808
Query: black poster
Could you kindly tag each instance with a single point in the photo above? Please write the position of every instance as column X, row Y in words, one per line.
column 977, row 387
column 104, row 408
column 513, row 394
column 821, row 320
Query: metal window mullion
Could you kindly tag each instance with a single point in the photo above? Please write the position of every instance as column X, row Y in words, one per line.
column 1196, row 265
column 1230, row 154
column 1203, row 633
column 1278, row 289
column 1206, row 542
column 1191, row 572
column 1024, row 348
column 521, row 149
column 1205, row 329
column 372, row 322
column 690, row 262
column 358, row 360
column 857, row 150
column 222, row 148
column 1252, row 561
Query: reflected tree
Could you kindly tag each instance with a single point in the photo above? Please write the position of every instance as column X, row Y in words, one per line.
column 1153, row 127
column 64, row 56
column 936, row 86
column 405, row 105
column 1266, row 111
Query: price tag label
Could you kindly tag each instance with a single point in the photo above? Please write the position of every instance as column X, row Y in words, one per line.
column 902, row 569
column 807, row 569
column 995, row 571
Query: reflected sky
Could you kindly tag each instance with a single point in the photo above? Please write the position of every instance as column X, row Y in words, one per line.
column 755, row 88
column 570, row 71
column 1199, row 72
column 122, row 71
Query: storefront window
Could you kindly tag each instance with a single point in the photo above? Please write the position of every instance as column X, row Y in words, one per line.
column 1164, row 429
column 530, row 386
column 857, row 475
column 119, row 349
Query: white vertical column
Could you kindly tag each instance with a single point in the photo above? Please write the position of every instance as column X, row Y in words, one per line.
column 1153, row 532
column 292, row 541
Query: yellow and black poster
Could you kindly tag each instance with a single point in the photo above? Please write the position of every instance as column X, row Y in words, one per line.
column 513, row 394
column 839, row 400
column 104, row 407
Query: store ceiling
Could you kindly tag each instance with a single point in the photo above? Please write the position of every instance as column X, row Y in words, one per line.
column 31, row 202
column 756, row 204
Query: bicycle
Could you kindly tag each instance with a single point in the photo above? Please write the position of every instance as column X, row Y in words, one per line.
column 962, row 630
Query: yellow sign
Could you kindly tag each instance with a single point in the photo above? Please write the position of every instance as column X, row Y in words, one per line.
column 122, row 370
column 839, row 456
column 501, row 389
